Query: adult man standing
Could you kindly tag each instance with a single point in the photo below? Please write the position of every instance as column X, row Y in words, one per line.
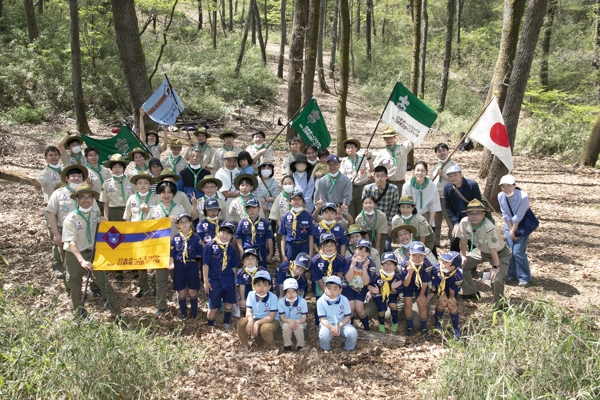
column 227, row 175
column 385, row 194
column 334, row 187
column 393, row 157
column 356, row 167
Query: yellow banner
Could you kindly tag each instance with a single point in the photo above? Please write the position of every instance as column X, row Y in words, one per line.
column 132, row 245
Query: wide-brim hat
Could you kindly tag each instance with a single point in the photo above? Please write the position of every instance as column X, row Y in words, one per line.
column 209, row 178
column 353, row 141
column 228, row 132
column 236, row 181
column 176, row 143
column 85, row 188
column 475, row 205
column 356, row 228
column 167, row 173
column 142, row 175
column 116, row 159
column 394, row 232
column 138, row 150
column 299, row 158
column 204, row 131
column 389, row 132
column 73, row 138
column 64, row 173
column 406, row 200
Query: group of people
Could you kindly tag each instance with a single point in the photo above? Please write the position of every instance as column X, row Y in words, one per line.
column 351, row 229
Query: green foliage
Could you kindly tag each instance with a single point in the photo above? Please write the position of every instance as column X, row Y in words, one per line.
column 533, row 350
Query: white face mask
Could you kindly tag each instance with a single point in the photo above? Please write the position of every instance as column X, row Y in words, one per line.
column 406, row 246
column 361, row 259
column 407, row 216
column 251, row 269
column 55, row 165
column 76, row 149
column 329, row 222
column 388, row 273
column 151, row 143
column 416, row 265
column 288, row 188
column 211, row 218
column 118, row 176
column 297, row 209
column 291, row 300
column 446, row 271
column 85, row 210
column 265, row 173
column 314, row 161
column 334, row 175
column 510, row 195
column 370, row 212
column 195, row 166
column 143, row 194
column 263, row 296
column 74, row 186
column 222, row 243
column 329, row 255
column 444, row 160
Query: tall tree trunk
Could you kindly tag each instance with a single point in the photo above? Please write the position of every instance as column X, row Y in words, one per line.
column 591, row 150
column 447, row 53
column 32, row 28
column 357, row 20
column 368, row 29
column 230, row 15
column 263, row 50
column 545, row 47
column 320, row 67
column 310, row 60
column 40, row 4
column 214, row 24
column 251, row 11
column 414, row 69
column 511, row 24
column 1, row 9
column 244, row 39
column 283, row 39
column 78, row 102
column 458, row 15
column 266, row 25
column 199, row 14
column 383, row 20
column 342, row 111
column 423, row 50
column 516, row 90
column 223, row 25
column 296, row 61
column 334, row 38
column 131, row 53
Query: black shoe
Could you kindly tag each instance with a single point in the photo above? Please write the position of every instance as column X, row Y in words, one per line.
column 141, row 293
column 425, row 335
column 135, row 275
column 287, row 349
column 298, row 348
column 475, row 296
column 96, row 293
column 410, row 331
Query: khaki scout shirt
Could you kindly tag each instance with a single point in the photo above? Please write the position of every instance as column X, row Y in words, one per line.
column 348, row 168
column 158, row 212
column 177, row 164
column 484, row 238
column 61, row 204
column 397, row 169
column 133, row 212
column 417, row 220
column 116, row 191
column 223, row 212
column 48, row 178
column 75, row 230
column 98, row 179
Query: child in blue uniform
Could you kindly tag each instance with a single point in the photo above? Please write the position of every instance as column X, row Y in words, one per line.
column 185, row 252
column 357, row 273
column 416, row 275
column 245, row 275
column 208, row 227
column 335, row 316
column 326, row 263
column 297, row 229
column 292, row 315
column 446, row 279
column 293, row 269
column 329, row 224
column 261, row 312
column 255, row 233
column 220, row 263
column 385, row 286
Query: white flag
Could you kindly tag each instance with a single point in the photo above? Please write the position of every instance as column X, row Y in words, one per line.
column 164, row 105
column 490, row 132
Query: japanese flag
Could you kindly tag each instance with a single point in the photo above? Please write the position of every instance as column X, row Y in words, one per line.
column 490, row 132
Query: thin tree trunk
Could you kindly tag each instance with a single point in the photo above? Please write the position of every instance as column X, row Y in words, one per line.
column 263, row 51
column 78, row 101
column 266, row 25
column 423, row 50
column 243, row 9
column 596, row 62
column 357, row 20
column 334, row 31
column 383, row 20
column 244, row 39
column 200, row 15
column 591, row 150
column 32, row 28
column 1, row 9
column 310, row 60
column 368, row 26
column 516, row 90
column 374, row 28
column 214, row 24
column 320, row 68
column 251, row 11
column 230, row 15
column 296, row 61
column 545, row 46
column 447, row 53
column 223, row 25
column 414, row 69
column 342, row 111
column 458, row 15
column 283, row 40
column 40, row 4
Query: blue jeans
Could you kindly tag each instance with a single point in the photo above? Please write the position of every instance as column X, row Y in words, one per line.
column 347, row 331
column 519, row 264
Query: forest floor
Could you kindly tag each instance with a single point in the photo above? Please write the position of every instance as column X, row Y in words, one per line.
column 561, row 252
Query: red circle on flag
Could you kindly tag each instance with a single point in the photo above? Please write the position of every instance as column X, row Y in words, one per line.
column 499, row 135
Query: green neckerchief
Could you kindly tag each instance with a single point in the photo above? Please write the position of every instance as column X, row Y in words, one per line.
column 473, row 230
column 57, row 170
column 372, row 228
column 262, row 146
column 226, row 149
column 173, row 204
column 202, row 149
column 287, row 197
column 140, row 169
column 174, row 161
column 96, row 170
column 88, row 228
column 195, row 175
column 78, row 158
column 139, row 199
column 354, row 163
column 403, row 250
column 392, row 151
column 413, row 183
column 243, row 203
column 407, row 221
column 122, row 186
column 69, row 188
column 332, row 181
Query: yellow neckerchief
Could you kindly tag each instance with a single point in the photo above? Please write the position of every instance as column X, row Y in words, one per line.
column 295, row 222
column 253, row 227
column 224, row 249
column 418, row 282
column 186, row 238
column 215, row 223
column 330, row 261
column 442, row 286
column 386, row 289
column 292, row 270
column 251, row 275
column 327, row 227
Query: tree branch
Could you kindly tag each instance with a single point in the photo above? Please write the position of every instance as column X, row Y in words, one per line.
column 162, row 47
column 152, row 15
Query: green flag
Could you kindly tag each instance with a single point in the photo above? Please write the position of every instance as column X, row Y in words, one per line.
column 122, row 143
column 310, row 125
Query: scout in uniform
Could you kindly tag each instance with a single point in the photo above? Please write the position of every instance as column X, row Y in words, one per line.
column 210, row 186
column 296, row 229
column 139, row 157
column 151, row 138
column 335, row 315
column 281, row 205
column 227, row 175
column 98, row 173
column 180, row 198
column 175, row 159
column 329, row 224
column 486, row 245
column 385, row 286
column 440, row 178
column 325, row 263
column 415, row 272
column 245, row 275
column 78, row 235
column 72, row 154
column 259, row 152
column 262, row 316
column 393, row 157
column 356, row 167
column 207, row 152
column 228, row 136
column 446, row 279
column 185, row 253
column 292, row 315
column 374, row 221
column 116, row 190
column 355, row 233
column 208, row 228
column 407, row 215
column 191, row 175
column 254, row 232
column 294, row 147
column 155, row 168
column 403, row 236
column 358, row 269
column 296, row 270
column 245, row 184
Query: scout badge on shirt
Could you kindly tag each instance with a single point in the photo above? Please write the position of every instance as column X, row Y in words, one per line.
column 111, row 188
column 79, row 225
column 205, row 225
column 64, row 209
column 128, row 186
column 386, row 161
column 54, row 178
column 245, row 223
column 281, row 204
column 133, row 204
column 64, row 196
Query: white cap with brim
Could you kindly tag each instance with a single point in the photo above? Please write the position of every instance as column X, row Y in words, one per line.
column 508, row 180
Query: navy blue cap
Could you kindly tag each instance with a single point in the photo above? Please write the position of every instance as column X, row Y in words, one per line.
column 228, row 225
column 389, row 256
column 249, row 252
column 182, row 215
column 417, row 248
column 333, row 157
column 211, row 204
column 327, row 236
column 302, row 260
column 452, row 257
column 329, row 205
column 297, row 193
column 252, row 203
column 364, row 243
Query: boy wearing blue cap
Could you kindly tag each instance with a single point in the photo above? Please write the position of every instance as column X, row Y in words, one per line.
column 261, row 317
column 292, row 315
column 245, row 275
column 385, row 286
column 296, row 229
column 446, row 279
column 415, row 272
column 327, row 262
column 296, row 270
column 208, row 227
column 185, row 253
column 254, row 232
column 220, row 263
column 358, row 269
column 329, row 224
column 334, row 314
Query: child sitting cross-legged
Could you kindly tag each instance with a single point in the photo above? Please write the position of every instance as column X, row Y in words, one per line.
column 292, row 314
column 334, row 313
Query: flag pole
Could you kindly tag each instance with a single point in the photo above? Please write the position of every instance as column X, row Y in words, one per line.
column 89, row 273
column 291, row 119
column 178, row 107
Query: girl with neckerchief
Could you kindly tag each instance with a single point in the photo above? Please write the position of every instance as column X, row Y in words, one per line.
column 259, row 152
column 355, row 233
column 139, row 157
column 151, row 138
column 407, row 215
column 97, row 172
column 356, row 280
column 374, row 221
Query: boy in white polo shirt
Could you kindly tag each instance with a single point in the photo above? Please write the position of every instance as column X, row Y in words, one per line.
column 334, row 313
